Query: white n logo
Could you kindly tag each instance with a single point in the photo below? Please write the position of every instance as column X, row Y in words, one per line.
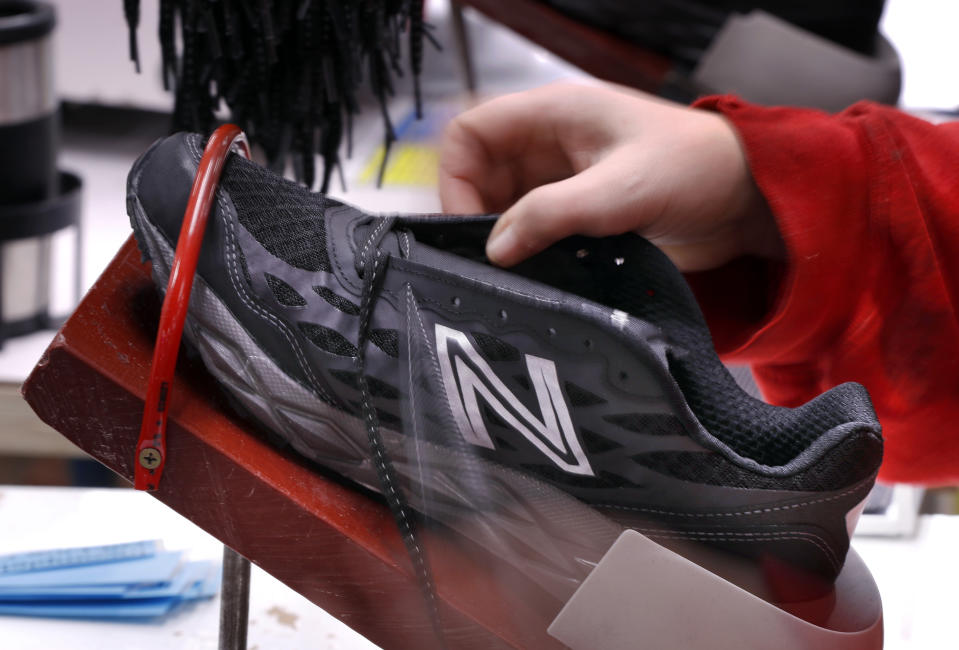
column 553, row 434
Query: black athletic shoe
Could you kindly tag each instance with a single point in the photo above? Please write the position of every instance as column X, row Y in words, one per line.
column 538, row 410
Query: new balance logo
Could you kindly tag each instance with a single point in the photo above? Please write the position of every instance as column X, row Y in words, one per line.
column 467, row 377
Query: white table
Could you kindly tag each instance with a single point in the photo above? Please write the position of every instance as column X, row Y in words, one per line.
column 917, row 577
column 34, row 518
column 918, row 580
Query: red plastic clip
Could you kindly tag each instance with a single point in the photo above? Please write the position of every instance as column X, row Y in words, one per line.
column 151, row 446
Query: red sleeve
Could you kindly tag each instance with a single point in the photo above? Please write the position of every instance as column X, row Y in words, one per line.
column 867, row 202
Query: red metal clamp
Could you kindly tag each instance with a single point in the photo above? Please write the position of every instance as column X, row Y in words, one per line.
column 151, row 446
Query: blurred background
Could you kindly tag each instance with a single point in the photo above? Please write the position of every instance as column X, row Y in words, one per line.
column 900, row 52
column 110, row 114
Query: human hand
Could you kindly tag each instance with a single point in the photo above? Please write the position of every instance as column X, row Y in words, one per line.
column 570, row 159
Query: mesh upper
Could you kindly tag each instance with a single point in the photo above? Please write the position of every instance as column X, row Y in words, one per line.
column 338, row 301
column 386, row 340
column 495, row 349
column 286, row 218
column 579, row 396
column 284, row 293
column 650, row 424
column 852, row 460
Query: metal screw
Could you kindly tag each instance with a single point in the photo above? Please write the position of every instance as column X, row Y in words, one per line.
column 150, row 458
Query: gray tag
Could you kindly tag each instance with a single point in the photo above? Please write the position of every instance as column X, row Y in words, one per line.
column 766, row 60
column 642, row 595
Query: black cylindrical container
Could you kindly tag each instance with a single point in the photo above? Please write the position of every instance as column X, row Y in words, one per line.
column 37, row 201
column 28, row 105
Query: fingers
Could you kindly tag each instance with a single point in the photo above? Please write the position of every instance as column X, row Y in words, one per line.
column 465, row 169
column 597, row 161
column 493, row 154
column 549, row 213
column 458, row 195
column 475, row 153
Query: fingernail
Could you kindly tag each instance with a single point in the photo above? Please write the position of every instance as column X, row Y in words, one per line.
column 500, row 245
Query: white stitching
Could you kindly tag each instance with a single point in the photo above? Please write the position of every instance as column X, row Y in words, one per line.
column 232, row 244
column 744, row 536
column 757, row 537
column 369, row 414
column 341, row 275
column 409, row 355
column 377, row 230
column 419, row 320
column 241, row 291
column 732, row 513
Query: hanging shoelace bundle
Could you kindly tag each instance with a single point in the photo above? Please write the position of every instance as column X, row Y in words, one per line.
column 290, row 71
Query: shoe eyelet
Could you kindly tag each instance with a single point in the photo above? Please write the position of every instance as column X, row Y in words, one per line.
column 503, row 315
column 588, row 343
column 551, row 331
column 619, row 261
column 456, row 301
column 581, row 253
column 623, row 376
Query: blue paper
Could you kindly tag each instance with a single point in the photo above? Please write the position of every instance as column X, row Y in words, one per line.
column 144, row 571
column 67, row 557
column 191, row 573
column 109, row 609
column 54, row 592
column 140, row 582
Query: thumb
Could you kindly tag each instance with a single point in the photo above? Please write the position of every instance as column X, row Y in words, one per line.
column 545, row 215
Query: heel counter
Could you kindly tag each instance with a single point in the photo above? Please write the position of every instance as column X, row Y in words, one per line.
column 161, row 179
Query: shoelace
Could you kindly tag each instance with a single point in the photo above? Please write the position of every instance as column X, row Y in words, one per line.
column 373, row 263
column 151, row 445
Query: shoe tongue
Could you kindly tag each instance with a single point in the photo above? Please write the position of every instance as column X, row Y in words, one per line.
column 368, row 235
column 348, row 231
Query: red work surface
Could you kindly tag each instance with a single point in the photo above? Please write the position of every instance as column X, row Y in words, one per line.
column 333, row 544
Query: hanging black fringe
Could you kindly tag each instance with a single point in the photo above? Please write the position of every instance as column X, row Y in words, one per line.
column 289, row 70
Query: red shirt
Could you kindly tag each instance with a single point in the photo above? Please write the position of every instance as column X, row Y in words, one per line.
column 867, row 202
